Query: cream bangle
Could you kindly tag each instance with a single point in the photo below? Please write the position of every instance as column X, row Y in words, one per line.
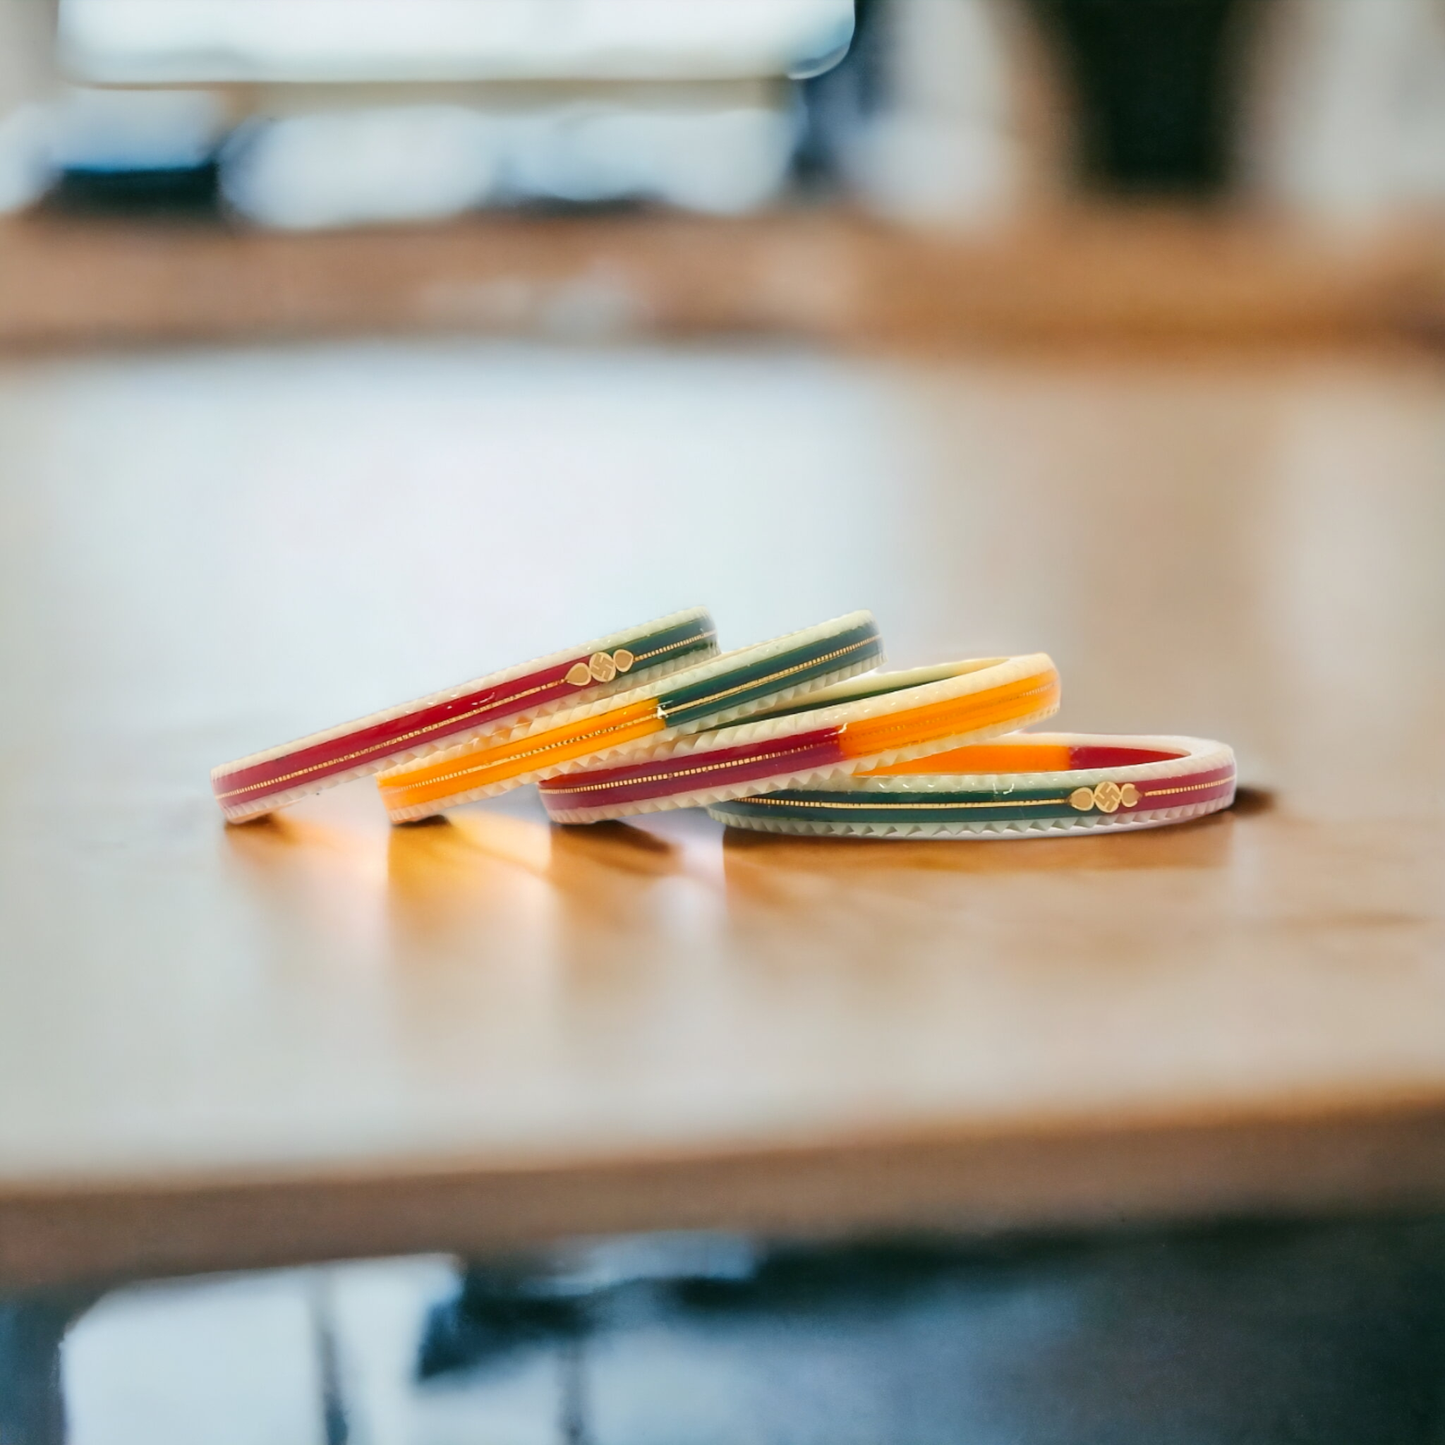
column 889, row 717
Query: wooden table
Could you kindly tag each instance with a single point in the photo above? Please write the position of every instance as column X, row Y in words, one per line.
column 317, row 1037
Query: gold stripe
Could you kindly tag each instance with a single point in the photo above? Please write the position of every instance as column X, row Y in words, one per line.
column 1192, row 788
column 798, row 803
column 441, row 722
column 681, row 642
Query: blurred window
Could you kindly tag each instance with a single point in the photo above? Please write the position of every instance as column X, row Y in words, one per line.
column 193, row 41
column 317, row 113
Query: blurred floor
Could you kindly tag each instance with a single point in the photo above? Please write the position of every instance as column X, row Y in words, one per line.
column 1264, row 1335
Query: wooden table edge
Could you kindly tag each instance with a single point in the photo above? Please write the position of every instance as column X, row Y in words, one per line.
column 1343, row 1160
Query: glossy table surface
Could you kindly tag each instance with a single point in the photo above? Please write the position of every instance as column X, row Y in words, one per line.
column 317, row 1036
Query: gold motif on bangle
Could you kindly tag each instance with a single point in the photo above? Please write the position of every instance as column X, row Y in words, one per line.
column 1107, row 797
column 601, row 667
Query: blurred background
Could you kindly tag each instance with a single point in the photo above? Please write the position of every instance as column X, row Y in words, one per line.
column 878, row 287
column 925, row 170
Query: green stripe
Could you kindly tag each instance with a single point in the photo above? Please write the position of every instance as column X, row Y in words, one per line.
column 859, row 647
column 693, row 637
column 861, row 807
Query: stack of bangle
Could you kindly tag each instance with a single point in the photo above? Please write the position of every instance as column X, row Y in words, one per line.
column 817, row 740
column 253, row 786
column 786, row 737
column 640, row 724
column 1025, row 786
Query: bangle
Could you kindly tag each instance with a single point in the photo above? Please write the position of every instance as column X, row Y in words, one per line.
column 1030, row 786
column 643, row 722
column 887, row 718
column 263, row 782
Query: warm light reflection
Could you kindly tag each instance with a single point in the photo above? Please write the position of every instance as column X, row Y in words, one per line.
column 524, row 843
column 280, row 843
column 474, row 879
column 320, row 874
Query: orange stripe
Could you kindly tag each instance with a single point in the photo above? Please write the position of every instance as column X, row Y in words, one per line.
column 479, row 767
column 1007, row 703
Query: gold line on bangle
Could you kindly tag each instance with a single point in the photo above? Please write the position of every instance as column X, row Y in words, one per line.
column 1192, row 788
column 800, row 803
column 681, row 642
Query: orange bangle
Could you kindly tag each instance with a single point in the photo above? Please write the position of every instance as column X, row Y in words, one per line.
column 643, row 723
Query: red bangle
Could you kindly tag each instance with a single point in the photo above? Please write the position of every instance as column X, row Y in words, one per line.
column 253, row 786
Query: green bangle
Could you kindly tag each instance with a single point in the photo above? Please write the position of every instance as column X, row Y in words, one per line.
column 1025, row 785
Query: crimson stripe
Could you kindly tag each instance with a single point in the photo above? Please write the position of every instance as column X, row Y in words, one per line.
column 1091, row 756
column 747, row 763
column 1205, row 787
column 354, row 749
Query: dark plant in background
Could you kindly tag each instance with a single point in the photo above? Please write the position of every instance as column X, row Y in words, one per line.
column 1154, row 84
